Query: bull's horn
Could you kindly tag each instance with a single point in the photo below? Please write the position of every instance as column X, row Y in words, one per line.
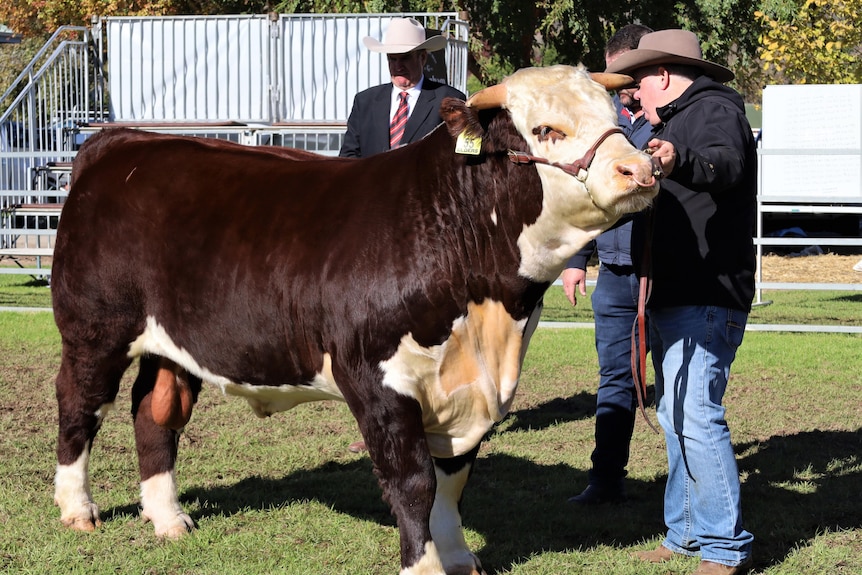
column 612, row 81
column 491, row 97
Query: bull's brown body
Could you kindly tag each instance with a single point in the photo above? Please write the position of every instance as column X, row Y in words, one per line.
column 401, row 283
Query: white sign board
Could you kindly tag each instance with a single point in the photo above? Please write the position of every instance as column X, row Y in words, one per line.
column 812, row 142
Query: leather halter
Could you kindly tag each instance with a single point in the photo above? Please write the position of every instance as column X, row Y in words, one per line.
column 573, row 169
column 639, row 335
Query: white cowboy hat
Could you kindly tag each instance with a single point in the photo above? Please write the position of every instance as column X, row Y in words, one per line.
column 669, row 47
column 404, row 35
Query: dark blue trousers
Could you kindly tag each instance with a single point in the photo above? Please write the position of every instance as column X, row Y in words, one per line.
column 614, row 303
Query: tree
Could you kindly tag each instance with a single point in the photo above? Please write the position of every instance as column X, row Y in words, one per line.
column 40, row 18
column 820, row 43
column 728, row 36
column 504, row 34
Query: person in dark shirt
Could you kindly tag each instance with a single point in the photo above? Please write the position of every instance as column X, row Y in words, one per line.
column 615, row 307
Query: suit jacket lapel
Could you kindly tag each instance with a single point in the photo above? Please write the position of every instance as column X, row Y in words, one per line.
column 379, row 120
column 425, row 104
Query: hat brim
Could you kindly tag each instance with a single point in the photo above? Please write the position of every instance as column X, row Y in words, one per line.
column 432, row 44
column 639, row 58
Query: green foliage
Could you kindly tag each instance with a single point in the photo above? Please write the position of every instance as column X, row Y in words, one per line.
column 361, row 6
column 819, row 43
column 728, row 37
column 13, row 59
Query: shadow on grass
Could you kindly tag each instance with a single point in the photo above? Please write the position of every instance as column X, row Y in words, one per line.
column 855, row 298
column 559, row 410
column 797, row 487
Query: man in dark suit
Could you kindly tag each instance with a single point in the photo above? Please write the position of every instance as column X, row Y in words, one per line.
column 376, row 123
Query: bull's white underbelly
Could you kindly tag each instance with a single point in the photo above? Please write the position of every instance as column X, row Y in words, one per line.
column 265, row 400
column 464, row 385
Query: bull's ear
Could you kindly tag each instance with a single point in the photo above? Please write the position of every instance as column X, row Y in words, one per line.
column 491, row 97
column 612, row 81
column 457, row 116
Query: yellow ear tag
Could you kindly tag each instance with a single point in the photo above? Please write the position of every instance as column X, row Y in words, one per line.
column 468, row 145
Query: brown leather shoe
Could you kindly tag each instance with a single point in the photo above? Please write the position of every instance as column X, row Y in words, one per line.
column 711, row 568
column 357, row 447
column 660, row 555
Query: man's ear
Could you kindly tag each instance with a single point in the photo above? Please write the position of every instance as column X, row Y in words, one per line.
column 665, row 77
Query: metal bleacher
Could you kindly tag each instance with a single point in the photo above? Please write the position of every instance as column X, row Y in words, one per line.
column 275, row 80
column 54, row 93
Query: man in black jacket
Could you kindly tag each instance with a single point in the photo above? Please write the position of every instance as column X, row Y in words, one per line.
column 379, row 121
column 703, row 264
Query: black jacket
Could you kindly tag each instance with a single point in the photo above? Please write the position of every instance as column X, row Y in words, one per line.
column 368, row 125
column 704, row 221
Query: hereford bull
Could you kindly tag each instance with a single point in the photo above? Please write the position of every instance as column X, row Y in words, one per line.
column 404, row 284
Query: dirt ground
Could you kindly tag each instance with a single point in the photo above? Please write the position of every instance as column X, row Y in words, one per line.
column 824, row 268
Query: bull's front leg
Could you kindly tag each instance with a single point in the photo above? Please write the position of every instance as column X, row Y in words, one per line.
column 446, row 527
column 392, row 427
column 157, row 452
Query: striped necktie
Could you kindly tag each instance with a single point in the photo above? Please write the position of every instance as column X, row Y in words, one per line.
column 399, row 120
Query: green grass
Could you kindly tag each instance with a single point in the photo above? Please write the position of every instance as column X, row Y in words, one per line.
column 284, row 496
column 23, row 291
column 784, row 307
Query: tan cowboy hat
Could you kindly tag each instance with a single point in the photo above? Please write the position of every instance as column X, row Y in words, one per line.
column 404, row 35
column 669, row 47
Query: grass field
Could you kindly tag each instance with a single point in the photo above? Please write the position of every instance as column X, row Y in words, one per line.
column 830, row 308
column 283, row 495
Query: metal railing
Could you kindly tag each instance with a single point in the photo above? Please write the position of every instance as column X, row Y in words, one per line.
column 61, row 88
column 58, row 90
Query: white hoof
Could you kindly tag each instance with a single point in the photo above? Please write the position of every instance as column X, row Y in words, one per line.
column 179, row 527
column 86, row 518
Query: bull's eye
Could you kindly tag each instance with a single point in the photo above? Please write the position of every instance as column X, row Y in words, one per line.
column 546, row 132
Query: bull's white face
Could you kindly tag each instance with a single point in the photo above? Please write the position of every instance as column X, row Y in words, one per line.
column 561, row 112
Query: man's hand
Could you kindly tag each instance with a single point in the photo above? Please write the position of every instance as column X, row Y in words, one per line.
column 574, row 278
column 664, row 153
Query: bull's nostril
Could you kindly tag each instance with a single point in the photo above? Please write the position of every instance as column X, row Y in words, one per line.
column 626, row 170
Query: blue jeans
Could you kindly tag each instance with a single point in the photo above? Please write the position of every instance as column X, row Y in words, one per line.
column 693, row 348
column 615, row 306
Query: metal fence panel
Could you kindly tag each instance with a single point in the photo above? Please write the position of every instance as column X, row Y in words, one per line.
column 322, row 62
column 188, row 68
column 256, row 69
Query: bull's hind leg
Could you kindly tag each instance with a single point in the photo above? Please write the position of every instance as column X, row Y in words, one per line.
column 86, row 385
column 157, row 446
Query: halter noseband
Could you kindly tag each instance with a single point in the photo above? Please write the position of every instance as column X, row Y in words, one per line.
column 573, row 169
